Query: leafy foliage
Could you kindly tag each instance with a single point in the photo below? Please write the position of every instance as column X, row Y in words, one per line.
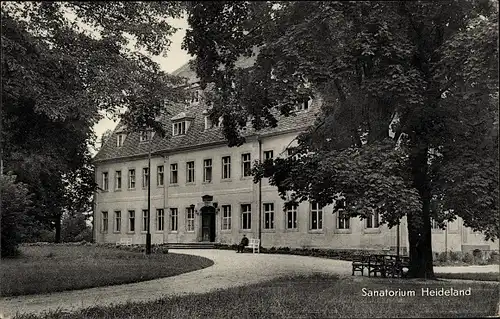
column 63, row 66
column 408, row 123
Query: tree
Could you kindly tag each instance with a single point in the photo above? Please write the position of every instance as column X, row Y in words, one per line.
column 64, row 64
column 75, row 228
column 425, row 71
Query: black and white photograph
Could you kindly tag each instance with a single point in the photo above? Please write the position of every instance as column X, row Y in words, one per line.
column 249, row 159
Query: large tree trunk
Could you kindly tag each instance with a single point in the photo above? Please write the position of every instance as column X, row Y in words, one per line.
column 419, row 227
column 58, row 229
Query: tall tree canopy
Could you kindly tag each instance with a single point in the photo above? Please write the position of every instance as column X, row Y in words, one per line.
column 65, row 64
column 426, row 71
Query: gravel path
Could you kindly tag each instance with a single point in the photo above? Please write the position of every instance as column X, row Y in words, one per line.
column 229, row 270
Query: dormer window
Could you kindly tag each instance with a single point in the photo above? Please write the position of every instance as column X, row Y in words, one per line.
column 120, row 138
column 179, row 128
column 195, row 96
column 304, row 105
column 146, row 136
column 208, row 122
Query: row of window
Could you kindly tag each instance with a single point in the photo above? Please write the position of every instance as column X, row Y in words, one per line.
column 246, row 170
column 315, row 219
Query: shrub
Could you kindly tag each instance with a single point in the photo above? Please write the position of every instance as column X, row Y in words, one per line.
column 442, row 257
column 494, row 257
column 454, row 256
column 468, row 258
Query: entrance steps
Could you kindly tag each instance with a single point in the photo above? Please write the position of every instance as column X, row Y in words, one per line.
column 197, row 245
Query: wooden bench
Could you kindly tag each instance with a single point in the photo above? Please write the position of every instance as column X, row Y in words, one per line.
column 124, row 242
column 383, row 265
column 254, row 244
column 359, row 263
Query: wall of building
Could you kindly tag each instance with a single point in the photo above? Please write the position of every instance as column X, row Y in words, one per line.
column 236, row 191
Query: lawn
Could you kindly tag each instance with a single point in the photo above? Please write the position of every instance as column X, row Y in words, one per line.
column 486, row 276
column 44, row 269
column 309, row 297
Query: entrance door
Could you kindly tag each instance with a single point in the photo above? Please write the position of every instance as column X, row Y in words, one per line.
column 208, row 226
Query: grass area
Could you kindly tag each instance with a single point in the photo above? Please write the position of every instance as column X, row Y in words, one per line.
column 487, row 276
column 44, row 269
column 308, row 297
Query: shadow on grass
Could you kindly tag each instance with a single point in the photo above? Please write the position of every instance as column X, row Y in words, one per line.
column 316, row 296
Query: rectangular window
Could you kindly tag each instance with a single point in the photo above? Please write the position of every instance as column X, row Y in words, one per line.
column 268, row 155
column 304, row 105
column 118, row 180
column 131, row 220
column 343, row 222
column 291, row 218
column 160, row 219
column 179, row 128
column 316, row 217
column 208, row 123
column 226, row 167
column 104, row 222
column 159, row 175
column 195, row 96
column 372, row 221
column 190, row 172
column 173, row 219
column 189, row 219
column 105, row 181
column 119, row 140
column 434, row 224
column 173, row 174
column 145, row 177
column 246, row 165
column 246, row 216
column 269, row 216
column 131, row 178
column 207, row 170
column 146, row 136
column 144, row 220
column 118, row 221
column 226, row 217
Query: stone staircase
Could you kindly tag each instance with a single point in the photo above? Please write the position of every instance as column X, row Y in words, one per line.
column 197, row 245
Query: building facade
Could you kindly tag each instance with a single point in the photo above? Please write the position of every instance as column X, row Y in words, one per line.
column 203, row 191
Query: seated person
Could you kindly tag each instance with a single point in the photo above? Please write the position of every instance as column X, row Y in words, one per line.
column 243, row 243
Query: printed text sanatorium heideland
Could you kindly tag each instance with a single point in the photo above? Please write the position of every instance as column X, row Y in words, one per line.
column 425, row 292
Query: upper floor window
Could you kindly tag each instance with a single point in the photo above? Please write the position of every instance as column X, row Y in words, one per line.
column 179, row 128
column 118, row 180
column 104, row 222
column 173, row 174
column 207, row 170
column 120, row 138
column 159, row 175
column 226, row 167
column 146, row 135
column 190, row 172
column 145, row 177
column 246, row 165
column 131, row 178
column 105, row 181
column 434, row 224
column 268, row 155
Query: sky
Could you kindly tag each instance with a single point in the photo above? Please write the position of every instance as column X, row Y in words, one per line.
column 176, row 58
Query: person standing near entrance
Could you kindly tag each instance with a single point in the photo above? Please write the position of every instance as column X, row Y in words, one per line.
column 243, row 244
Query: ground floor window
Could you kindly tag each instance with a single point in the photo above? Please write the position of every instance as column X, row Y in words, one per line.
column 173, row 219
column 144, row 220
column 246, row 216
column 189, row 219
column 343, row 222
column 118, row 221
column 316, row 217
column 131, row 220
column 160, row 219
column 372, row 221
column 105, row 222
column 226, row 217
column 268, row 216
column 291, row 218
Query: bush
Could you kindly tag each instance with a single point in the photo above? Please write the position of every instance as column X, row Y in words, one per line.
column 15, row 204
column 454, row 256
column 494, row 257
column 468, row 258
column 442, row 257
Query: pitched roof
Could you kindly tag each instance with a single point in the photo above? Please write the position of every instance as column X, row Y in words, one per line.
column 196, row 135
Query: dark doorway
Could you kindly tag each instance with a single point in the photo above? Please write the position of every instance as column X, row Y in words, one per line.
column 208, row 224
